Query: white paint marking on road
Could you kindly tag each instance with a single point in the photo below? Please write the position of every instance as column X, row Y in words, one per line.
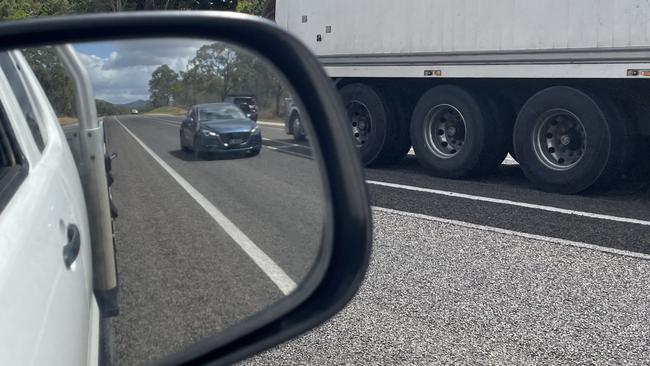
column 263, row 261
column 515, row 233
column 590, row 215
column 287, row 152
column 270, row 124
column 287, row 144
column 509, row 160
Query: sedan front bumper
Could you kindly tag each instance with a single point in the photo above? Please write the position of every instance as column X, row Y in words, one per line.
column 217, row 145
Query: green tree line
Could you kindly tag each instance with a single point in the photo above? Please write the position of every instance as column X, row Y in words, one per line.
column 216, row 71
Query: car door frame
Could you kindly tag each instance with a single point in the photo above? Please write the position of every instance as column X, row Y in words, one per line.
column 55, row 165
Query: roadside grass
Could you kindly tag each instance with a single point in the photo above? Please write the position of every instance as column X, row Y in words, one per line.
column 174, row 111
column 63, row 121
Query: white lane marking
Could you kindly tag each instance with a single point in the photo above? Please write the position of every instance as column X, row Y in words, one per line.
column 287, row 144
column 287, row 152
column 263, row 261
column 270, row 124
column 515, row 233
column 509, row 160
column 590, row 215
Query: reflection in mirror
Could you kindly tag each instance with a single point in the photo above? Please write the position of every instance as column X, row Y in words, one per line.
column 221, row 205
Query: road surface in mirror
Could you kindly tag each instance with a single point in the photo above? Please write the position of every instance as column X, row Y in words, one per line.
column 182, row 275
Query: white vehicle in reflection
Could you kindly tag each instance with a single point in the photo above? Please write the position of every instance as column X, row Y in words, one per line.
column 66, row 291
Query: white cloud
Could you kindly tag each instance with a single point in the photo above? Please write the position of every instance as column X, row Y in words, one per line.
column 124, row 75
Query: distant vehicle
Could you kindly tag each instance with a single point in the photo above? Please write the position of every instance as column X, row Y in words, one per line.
column 292, row 124
column 245, row 102
column 219, row 128
column 134, row 111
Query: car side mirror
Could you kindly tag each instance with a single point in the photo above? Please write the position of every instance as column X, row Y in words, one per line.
column 341, row 251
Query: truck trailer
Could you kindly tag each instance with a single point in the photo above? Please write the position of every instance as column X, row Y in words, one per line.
column 563, row 86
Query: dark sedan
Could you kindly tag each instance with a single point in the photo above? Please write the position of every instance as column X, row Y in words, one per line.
column 219, row 128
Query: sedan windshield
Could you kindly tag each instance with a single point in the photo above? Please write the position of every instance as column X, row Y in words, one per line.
column 218, row 113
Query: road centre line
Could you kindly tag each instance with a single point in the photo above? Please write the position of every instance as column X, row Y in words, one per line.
column 287, row 144
column 274, row 148
column 590, row 215
column 514, row 233
column 272, row 270
column 270, row 124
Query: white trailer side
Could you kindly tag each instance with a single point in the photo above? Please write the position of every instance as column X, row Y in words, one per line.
column 490, row 60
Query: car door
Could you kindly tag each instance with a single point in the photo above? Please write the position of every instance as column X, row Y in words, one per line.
column 49, row 315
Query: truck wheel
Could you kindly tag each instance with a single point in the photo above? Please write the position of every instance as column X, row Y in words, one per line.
column 368, row 118
column 568, row 140
column 295, row 124
column 452, row 135
column 398, row 139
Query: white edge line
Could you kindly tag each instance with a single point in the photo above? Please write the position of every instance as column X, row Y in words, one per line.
column 270, row 124
column 590, row 215
column 263, row 261
column 515, row 233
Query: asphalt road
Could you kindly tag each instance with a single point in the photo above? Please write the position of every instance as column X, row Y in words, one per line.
column 486, row 271
column 183, row 274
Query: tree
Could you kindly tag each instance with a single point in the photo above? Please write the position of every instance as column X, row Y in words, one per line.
column 218, row 65
column 254, row 7
column 53, row 78
column 161, row 86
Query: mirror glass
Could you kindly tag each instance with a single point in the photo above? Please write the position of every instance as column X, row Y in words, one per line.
column 221, row 203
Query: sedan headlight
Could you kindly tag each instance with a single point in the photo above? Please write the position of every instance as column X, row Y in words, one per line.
column 255, row 130
column 208, row 133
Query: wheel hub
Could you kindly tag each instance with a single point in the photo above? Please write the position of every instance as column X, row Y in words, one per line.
column 565, row 140
column 361, row 122
column 559, row 139
column 445, row 131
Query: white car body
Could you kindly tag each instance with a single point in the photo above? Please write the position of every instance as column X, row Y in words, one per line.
column 49, row 314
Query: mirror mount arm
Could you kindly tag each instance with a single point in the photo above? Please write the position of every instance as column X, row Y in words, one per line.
column 92, row 170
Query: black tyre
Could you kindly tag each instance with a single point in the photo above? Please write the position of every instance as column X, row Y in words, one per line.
column 453, row 134
column 398, row 139
column 568, row 140
column 183, row 147
column 368, row 119
column 255, row 152
column 296, row 127
column 198, row 155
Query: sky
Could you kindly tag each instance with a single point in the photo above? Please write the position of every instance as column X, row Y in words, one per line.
column 120, row 71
